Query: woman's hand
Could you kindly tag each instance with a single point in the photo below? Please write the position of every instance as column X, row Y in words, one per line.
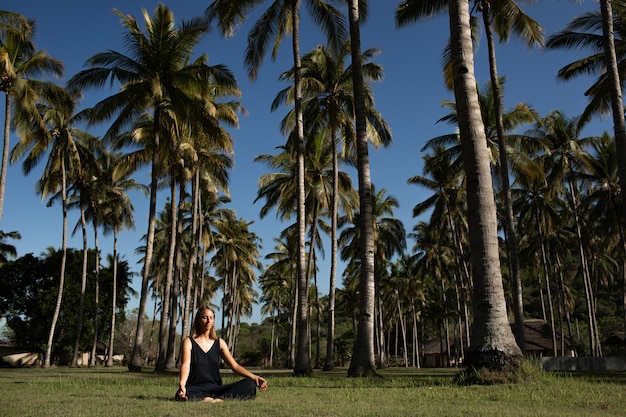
column 182, row 394
column 260, row 383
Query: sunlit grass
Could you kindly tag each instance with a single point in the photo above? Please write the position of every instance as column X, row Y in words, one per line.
column 84, row 392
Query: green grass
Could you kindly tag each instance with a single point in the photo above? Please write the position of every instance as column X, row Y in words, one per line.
column 109, row 392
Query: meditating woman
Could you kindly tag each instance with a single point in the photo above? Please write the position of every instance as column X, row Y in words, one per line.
column 200, row 377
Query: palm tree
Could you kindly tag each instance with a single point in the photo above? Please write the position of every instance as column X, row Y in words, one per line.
column 363, row 361
column 503, row 17
column 83, row 195
column 117, row 214
column 605, row 199
column 390, row 239
column 19, row 63
column 210, row 159
column 608, row 48
column 64, row 143
column 276, row 289
column 448, row 214
column 492, row 343
column 280, row 19
column 328, row 104
column 567, row 159
column 236, row 257
column 155, row 76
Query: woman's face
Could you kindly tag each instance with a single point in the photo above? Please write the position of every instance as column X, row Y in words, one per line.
column 206, row 319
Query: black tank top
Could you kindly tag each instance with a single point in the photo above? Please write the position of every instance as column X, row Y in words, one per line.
column 205, row 366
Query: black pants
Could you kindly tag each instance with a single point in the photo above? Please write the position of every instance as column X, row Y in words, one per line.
column 244, row 389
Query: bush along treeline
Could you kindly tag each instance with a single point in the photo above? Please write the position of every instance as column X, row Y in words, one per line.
column 29, row 294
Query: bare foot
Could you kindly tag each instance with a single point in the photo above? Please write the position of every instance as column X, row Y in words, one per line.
column 212, row 400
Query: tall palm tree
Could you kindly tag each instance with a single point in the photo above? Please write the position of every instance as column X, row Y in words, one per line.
column 156, row 76
column 20, row 62
column 117, row 215
column 493, row 345
column 82, row 195
column 328, row 103
column 363, row 361
column 605, row 37
column 210, row 158
column 503, row 18
column 64, row 143
column 280, row 19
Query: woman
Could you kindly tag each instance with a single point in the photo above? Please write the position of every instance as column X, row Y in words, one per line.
column 200, row 369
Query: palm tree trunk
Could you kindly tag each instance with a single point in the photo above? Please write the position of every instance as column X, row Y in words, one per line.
column 403, row 328
column 302, row 364
column 363, row 361
column 584, row 267
column 492, row 345
column 272, row 337
column 170, row 356
column 57, row 307
column 416, row 340
column 194, row 253
column 113, row 301
column 96, row 306
column 509, row 219
column 136, row 358
column 464, row 286
column 380, row 327
column 170, row 359
column 167, row 285
column 83, row 287
column 330, row 336
column 617, row 106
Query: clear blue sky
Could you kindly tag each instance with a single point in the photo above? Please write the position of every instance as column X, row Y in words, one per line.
column 409, row 98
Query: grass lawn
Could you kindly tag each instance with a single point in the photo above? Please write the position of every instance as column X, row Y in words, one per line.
column 109, row 392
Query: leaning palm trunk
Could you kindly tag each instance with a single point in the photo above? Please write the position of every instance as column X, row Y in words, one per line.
column 5, row 148
column 617, row 105
column 363, row 360
column 509, row 220
column 57, row 307
column 492, row 343
column 594, row 341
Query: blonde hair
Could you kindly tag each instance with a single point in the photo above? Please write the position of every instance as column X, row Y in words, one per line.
column 197, row 330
